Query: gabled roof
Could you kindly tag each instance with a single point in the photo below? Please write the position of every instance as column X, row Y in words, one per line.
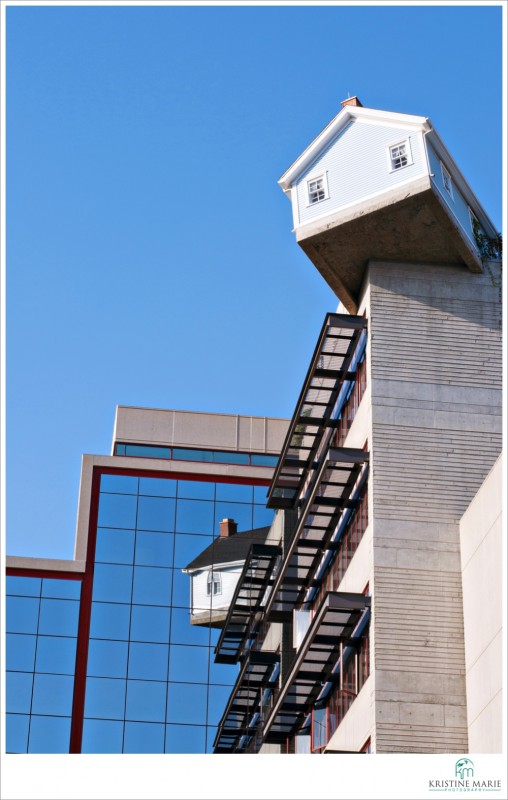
column 228, row 549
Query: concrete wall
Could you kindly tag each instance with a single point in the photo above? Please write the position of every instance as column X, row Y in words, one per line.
column 481, row 549
column 195, row 429
column 435, row 377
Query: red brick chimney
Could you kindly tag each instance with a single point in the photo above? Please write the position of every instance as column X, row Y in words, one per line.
column 351, row 101
column 228, row 527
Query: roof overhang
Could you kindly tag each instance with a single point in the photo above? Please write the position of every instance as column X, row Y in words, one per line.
column 333, row 625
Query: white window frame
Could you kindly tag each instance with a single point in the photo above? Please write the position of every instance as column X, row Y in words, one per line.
column 213, row 583
column 409, row 153
column 323, row 176
column 447, row 178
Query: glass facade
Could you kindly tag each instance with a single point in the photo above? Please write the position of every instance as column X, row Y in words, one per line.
column 41, row 635
column 152, row 685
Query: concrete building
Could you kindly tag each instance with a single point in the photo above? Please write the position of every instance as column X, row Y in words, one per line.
column 371, row 637
column 101, row 653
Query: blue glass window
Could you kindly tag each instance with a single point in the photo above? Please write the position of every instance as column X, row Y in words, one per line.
column 223, row 673
column 234, row 492
column 102, row 736
column 112, row 583
column 119, row 484
column 194, row 516
column 117, row 511
column 115, row 546
column 143, row 737
column 211, row 733
column 110, row 621
column 146, row 701
column 262, row 516
column 263, row 461
column 157, row 487
column 260, row 494
column 182, row 454
column 181, row 588
column 107, row 659
column 22, row 614
column 185, row 739
column 230, row 458
column 56, row 654
column 53, row 695
column 16, row 733
column 20, row 652
column 154, row 549
column 18, row 692
column 188, row 546
column 49, row 735
column 182, row 632
column 148, row 661
column 105, row 698
column 156, row 514
column 27, row 587
column 217, row 701
column 187, row 703
column 196, row 490
column 188, row 664
column 240, row 512
column 152, row 586
column 59, row 617
column 61, row 588
column 150, row 624
column 145, row 451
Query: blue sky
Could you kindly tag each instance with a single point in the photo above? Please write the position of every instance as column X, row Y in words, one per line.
column 150, row 259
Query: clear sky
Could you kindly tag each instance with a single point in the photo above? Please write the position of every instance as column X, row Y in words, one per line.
column 150, row 258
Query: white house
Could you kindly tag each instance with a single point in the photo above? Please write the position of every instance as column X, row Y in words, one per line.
column 214, row 573
column 381, row 185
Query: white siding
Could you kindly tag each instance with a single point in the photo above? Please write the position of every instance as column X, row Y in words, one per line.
column 458, row 205
column 357, row 166
column 201, row 601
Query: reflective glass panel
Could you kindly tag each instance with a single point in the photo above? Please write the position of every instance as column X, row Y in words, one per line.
column 110, row 621
column 49, row 735
column 181, row 454
column 28, row 587
column 185, row 739
column 262, row 516
column 20, row 652
column 117, row 511
column 194, row 516
column 143, row 737
column 188, row 664
column 230, row 458
column 197, row 490
column 115, row 546
column 187, row 703
column 112, row 583
column 56, row 654
column 188, row 546
column 16, row 733
column 182, row 632
column 156, row 514
column 21, row 614
column 157, row 487
column 53, row 695
column 211, row 733
column 263, row 461
column 61, row 588
column 105, row 698
column 150, row 624
column 107, row 659
column 147, row 451
column 223, row 673
column 181, row 589
column 59, row 617
column 152, row 586
column 148, row 661
column 234, row 492
column 119, row 484
column 154, row 549
column 260, row 494
column 217, row 701
column 102, row 736
column 146, row 701
column 240, row 512
column 18, row 692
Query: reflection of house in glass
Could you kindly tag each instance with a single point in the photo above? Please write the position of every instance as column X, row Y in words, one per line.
column 101, row 653
column 214, row 573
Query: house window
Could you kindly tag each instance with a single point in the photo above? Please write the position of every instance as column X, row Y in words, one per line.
column 213, row 584
column 317, row 189
column 400, row 155
column 447, row 180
